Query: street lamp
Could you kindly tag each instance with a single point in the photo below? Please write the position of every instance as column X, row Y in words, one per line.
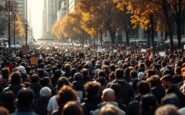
column 9, row 9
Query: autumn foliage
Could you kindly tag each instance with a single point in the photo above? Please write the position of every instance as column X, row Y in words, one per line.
column 95, row 17
column 19, row 27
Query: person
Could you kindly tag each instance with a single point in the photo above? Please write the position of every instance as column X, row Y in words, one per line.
column 52, row 104
column 92, row 97
column 178, row 76
column 64, row 95
column 167, row 110
column 5, row 72
column 133, row 108
column 35, row 85
column 125, row 92
column 25, row 101
column 72, row 108
column 42, row 101
column 7, row 99
column 171, row 99
column 108, row 109
column 15, row 83
column 108, row 97
column 148, row 104
column 170, row 87
column 143, row 88
column 156, row 87
column 4, row 111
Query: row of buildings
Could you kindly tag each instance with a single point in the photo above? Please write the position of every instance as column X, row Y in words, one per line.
column 56, row 9
column 53, row 11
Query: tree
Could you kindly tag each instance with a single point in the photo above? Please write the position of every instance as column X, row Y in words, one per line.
column 164, row 14
column 69, row 26
column 3, row 20
column 100, row 16
column 19, row 26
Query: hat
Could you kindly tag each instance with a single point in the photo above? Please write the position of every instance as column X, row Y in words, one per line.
column 45, row 91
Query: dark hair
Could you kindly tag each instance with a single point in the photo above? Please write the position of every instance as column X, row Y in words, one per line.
column 34, row 78
column 154, row 81
column 119, row 73
column 5, row 72
column 72, row 108
column 133, row 74
column 163, row 64
column 25, row 98
column 15, row 78
column 133, row 108
column 167, row 78
column 64, row 95
column 45, row 81
column 8, row 100
column 111, row 76
column 171, row 99
column 112, row 67
column 150, row 72
column 127, row 74
column 92, row 89
column 178, row 70
column 148, row 104
column 62, row 81
column 143, row 87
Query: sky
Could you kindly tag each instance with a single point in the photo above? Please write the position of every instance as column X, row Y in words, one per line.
column 35, row 8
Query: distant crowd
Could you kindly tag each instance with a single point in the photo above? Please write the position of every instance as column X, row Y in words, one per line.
column 92, row 81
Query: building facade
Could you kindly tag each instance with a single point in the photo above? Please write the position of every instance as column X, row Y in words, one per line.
column 50, row 15
column 21, row 7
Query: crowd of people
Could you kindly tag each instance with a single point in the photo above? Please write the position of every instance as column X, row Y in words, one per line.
column 92, row 81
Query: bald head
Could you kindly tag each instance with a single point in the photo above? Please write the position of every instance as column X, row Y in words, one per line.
column 108, row 95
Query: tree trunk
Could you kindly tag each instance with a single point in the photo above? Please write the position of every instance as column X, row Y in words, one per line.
column 171, row 42
column 169, row 23
column 94, row 41
column 152, row 30
column 101, row 38
column 148, row 32
column 113, row 36
column 127, row 38
column 165, row 36
column 178, row 24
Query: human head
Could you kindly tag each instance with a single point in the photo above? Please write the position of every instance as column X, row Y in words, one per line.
column 45, row 92
column 108, row 109
column 92, row 89
column 25, row 98
column 170, row 99
column 35, row 78
column 119, row 73
column 143, row 87
column 4, row 111
column 64, row 95
column 45, row 81
column 148, row 104
column 15, row 78
column 167, row 110
column 72, row 108
column 62, row 81
column 5, row 72
column 167, row 81
column 108, row 95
